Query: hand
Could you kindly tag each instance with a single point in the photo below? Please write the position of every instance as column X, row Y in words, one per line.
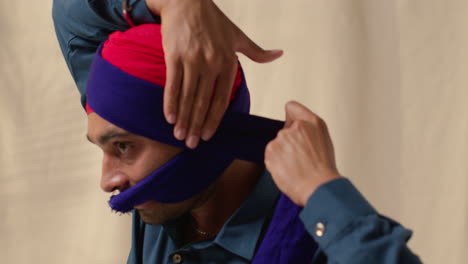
column 200, row 45
column 301, row 157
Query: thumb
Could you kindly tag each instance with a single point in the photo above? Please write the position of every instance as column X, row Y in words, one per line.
column 255, row 52
column 296, row 111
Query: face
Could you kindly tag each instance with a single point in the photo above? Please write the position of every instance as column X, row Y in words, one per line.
column 128, row 159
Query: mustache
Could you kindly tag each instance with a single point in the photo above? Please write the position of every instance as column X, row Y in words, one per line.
column 115, row 193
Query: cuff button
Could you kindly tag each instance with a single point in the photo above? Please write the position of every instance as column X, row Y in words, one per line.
column 177, row 258
column 319, row 229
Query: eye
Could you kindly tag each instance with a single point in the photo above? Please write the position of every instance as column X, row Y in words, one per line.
column 122, row 147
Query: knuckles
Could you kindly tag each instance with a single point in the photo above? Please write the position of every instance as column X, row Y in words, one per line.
column 300, row 127
column 270, row 149
column 203, row 58
column 314, row 123
column 220, row 104
column 194, row 58
column 172, row 56
column 186, row 97
column 198, row 113
column 213, row 59
column 282, row 134
column 200, row 105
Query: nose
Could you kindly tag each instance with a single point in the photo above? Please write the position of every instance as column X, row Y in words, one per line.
column 112, row 177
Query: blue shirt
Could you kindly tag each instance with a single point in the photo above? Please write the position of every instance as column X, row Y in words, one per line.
column 347, row 229
column 235, row 243
column 341, row 221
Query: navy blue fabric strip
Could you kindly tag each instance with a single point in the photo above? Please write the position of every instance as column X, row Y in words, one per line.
column 286, row 239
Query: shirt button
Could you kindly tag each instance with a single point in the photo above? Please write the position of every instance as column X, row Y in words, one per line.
column 177, row 258
column 319, row 229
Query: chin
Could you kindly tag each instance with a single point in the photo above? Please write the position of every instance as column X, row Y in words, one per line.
column 151, row 219
column 159, row 214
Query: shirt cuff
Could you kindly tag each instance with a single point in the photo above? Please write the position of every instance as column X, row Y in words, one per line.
column 141, row 14
column 332, row 208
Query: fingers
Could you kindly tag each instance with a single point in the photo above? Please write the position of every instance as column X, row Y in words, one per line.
column 220, row 100
column 196, row 102
column 298, row 115
column 190, row 83
column 296, row 111
column 200, row 109
column 270, row 156
column 255, row 52
column 329, row 143
column 172, row 89
column 273, row 154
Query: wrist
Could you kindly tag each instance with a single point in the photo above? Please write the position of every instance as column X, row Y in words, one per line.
column 156, row 6
column 314, row 185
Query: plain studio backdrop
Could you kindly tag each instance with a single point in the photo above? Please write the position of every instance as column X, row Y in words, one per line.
column 389, row 76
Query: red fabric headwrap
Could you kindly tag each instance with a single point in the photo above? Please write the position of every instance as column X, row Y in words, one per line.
column 139, row 52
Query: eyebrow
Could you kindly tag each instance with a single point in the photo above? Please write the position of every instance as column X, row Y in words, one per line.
column 103, row 139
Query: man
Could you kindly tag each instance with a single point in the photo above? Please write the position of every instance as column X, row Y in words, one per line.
column 234, row 216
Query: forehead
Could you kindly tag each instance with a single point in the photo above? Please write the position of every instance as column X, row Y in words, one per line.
column 98, row 126
column 97, row 122
column 100, row 131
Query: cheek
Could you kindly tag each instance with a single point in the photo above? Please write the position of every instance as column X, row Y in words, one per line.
column 152, row 157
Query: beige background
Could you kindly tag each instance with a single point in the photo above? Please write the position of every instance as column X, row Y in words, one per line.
column 389, row 77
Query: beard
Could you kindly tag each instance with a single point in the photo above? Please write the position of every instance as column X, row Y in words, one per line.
column 158, row 214
column 155, row 213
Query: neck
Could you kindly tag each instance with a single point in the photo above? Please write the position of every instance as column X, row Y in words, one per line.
column 227, row 195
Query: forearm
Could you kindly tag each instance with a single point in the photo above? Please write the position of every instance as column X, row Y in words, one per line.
column 349, row 230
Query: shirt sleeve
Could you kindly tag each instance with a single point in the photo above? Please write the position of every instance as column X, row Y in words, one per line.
column 349, row 230
column 81, row 25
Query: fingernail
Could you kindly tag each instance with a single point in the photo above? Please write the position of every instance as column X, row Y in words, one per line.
column 180, row 133
column 207, row 134
column 192, row 141
column 171, row 119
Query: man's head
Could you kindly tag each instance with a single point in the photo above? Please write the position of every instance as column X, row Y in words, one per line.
column 128, row 158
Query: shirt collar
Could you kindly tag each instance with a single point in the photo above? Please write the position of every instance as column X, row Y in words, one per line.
column 241, row 232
